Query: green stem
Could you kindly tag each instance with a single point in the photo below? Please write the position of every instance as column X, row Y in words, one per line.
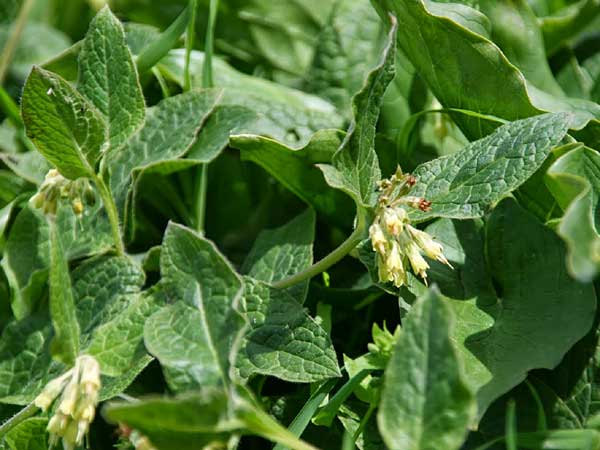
column 364, row 421
column 113, row 214
column 321, row 266
column 15, row 420
column 207, row 82
column 13, row 40
column 189, row 45
column 160, row 47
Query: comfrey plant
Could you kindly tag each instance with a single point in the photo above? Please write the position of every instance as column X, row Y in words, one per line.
column 78, row 390
column 395, row 240
column 56, row 187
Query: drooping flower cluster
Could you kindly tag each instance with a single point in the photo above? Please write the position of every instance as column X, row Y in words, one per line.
column 398, row 244
column 78, row 390
column 56, row 187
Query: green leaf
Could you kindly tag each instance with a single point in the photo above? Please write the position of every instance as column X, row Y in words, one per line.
column 168, row 133
column 108, row 78
column 466, row 184
column 347, row 47
column 295, row 169
column 282, row 252
column 574, row 181
column 65, row 344
column 426, row 402
column 105, row 291
column 284, row 114
column 516, row 307
column 63, row 125
column 282, row 340
column 194, row 338
column 465, row 70
column 355, row 167
column 28, row 435
column 27, row 254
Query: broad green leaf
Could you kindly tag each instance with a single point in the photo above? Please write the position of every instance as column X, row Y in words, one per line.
column 575, row 183
column 295, row 169
column 528, row 317
column 105, row 291
column 285, row 114
column 62, row 124
column 466, row 184
column 465, row 70
column 38, row 42
column 65, row 344
column 194, row 338
column 348, row 46
column 281, row 339
column 355, row 168
column 516, row 31
column 169, row 131
column 426, row 402
column 282, row 252
column 27, row 253
column 108, row 78
column 28, row 435
column 30, row 166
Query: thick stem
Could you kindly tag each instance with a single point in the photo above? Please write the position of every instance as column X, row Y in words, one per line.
column 13, row 40
column 15, row 420
column 321, row 266
column 113, row 214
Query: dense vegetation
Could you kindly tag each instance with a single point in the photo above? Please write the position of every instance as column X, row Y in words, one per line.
column 299, row 224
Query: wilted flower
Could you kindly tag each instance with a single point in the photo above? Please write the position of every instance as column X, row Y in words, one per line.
column 398, row 244
column 55, row 187
column 78, row 390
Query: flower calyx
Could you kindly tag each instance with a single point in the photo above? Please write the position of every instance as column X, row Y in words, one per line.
column 78, row 390
column 398, row 244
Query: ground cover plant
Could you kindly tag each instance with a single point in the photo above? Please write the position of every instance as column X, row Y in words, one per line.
column 333, row 224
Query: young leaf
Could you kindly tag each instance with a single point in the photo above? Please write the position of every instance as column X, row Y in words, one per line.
column 466, row 184
column 108, row 78
column 575, row 183
column 355, row 167
column 65, row 344
column 282, row 252
column 282, row 340
column 193, row 339
column 426, row 403
column 62, row 124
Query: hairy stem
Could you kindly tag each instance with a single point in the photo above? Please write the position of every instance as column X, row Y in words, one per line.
column 13, row 40
column 113, row 214
column 15, row 420
column 332, row 258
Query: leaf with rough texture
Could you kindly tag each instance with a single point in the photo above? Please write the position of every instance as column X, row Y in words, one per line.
column 62, row 124
column 516, row 307
column 295, row 168
column 282, row 252
column 193, row 339
column 169, row 131
column 65, row 344
column 28, row 435
column 574, row 180
column 105, row 291
column 108, row 78
column 426, row 403
column 466, row 184
column 282, row 340
column 355, row 168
